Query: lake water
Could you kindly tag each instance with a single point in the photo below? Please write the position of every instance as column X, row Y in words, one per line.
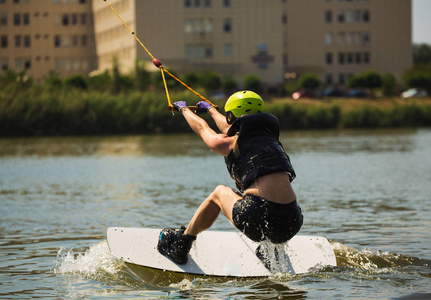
column 368, row 192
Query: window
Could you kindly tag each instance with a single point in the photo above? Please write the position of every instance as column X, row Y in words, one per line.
column 228, row 52
column 67, row 41
column 366, row 16
column 189, row 51
column 357, row 16
column 197, row 3
column 67, row 64
column 3, row 41
column 84, row 19
column 74, row 19
column 27, row 41
column 18, row 64
column 198, row 26
column 26, row 19
column 208, row 25
column 207, row 3
column 342, row 79
column 199, row 51
column 329, row 80
column 358, row 58
column 3, row 19
column 27, row 63
column 18, row 41
column 367, row 57
column 328, row 38
column 366, row 37
column 328, row 16
column 328, row 58
column 208, row 51
column 65, row 20
column 341, row 17
column 227, row 26
column 284, row 18
column 188, row 26
column 349, row 16
column 226, row 3
column 75, row 39
column 84, row 40
column 341, row 58
column 350, row 58
column 57, row 20
column 187, row 3
column 341, row 38
column 58, row 63
column 4, row 63
column 17, row 19
column 57, row 41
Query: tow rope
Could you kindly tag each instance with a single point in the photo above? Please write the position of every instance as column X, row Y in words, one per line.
column 159, row 65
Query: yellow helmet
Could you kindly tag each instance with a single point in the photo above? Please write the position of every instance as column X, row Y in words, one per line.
column 241, row 103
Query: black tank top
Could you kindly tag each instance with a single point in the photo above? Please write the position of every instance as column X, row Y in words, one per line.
column 258, row 150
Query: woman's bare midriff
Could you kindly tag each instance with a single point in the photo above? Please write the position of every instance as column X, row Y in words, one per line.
column 275, row 187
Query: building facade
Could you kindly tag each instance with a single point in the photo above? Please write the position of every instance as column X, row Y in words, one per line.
column 47, row 35
column 340, row 38
column 276, row 40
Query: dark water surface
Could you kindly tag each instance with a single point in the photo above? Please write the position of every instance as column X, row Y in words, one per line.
column 368, row 192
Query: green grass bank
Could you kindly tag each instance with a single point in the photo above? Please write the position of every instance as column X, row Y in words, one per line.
column 37, row 112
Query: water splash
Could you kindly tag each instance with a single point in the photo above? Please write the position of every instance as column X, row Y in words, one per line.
column 97, row 263
column 373, row 260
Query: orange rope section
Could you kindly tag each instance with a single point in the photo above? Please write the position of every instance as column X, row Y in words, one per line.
column 158, row 64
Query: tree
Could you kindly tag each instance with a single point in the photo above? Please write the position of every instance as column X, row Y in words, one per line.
column 142, row 76
column 252, row 83
column 389, row 83
column 421, row 54
column 229, row 84
column 120, row 82
column 356, row 82
column 309, row 81
column 53, row 80
column 372, row 79
column 418, row 79
column 191, row 79
column 211, row 81
column 100, row 82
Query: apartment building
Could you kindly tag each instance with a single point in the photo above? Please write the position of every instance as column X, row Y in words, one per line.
column 340, row 38
column 47, row 35
column 277, row 40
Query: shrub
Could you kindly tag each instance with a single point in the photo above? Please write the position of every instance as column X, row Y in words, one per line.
column 76, row 81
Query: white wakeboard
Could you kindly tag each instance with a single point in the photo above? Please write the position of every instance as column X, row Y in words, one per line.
column 221, row 253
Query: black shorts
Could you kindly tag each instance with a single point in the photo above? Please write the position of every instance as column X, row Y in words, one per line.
column 260, row 219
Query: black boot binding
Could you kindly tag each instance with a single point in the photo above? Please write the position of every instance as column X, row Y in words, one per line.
column 176, row 245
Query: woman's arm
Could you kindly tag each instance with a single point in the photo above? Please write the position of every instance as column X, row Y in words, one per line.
column 219, row 119
column 220, row 143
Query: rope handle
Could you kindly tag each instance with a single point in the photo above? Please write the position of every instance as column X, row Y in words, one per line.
column 191, row 107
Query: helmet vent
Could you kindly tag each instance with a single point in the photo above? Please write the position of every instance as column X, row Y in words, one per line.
column 249, row 102
column 248, row 110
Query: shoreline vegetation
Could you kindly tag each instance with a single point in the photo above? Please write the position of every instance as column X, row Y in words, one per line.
column 74, row 112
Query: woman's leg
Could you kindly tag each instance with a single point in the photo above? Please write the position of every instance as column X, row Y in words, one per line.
column 223, row 198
